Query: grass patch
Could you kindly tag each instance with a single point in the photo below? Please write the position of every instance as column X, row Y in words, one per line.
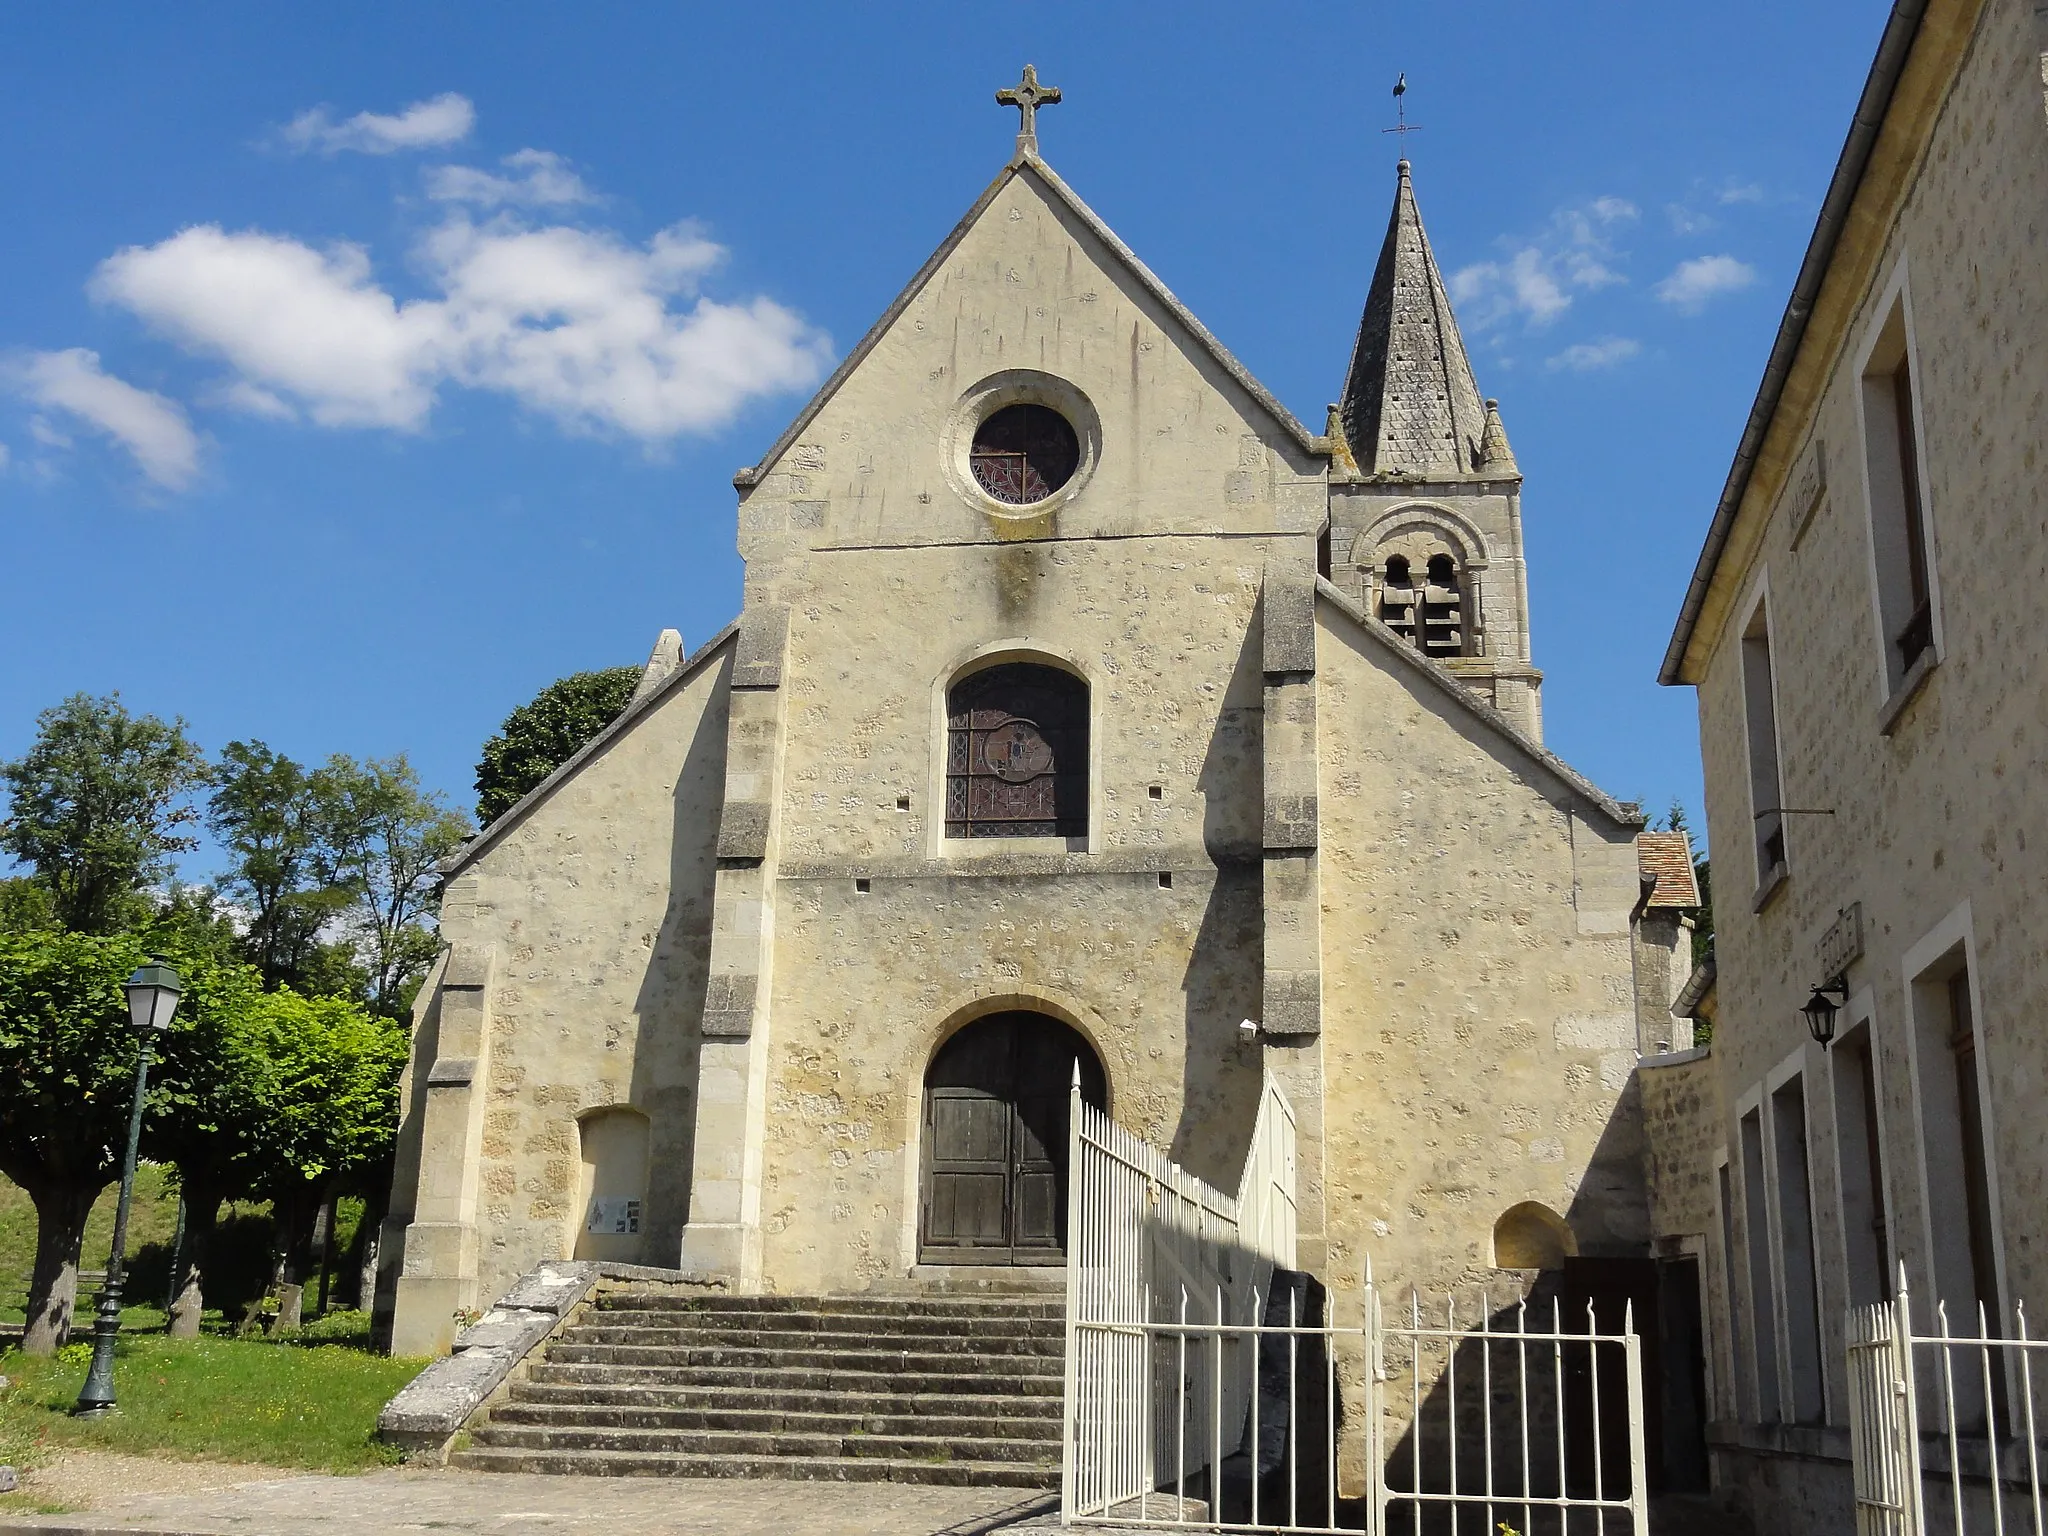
column 308, row 1400
column 151, row 1219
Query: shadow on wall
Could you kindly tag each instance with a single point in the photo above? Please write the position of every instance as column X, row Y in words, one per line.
column 670, row 1005
column 1506, row 1399
column 1220, row 1075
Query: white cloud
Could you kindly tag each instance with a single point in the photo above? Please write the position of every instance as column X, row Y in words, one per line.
column 290, row 319
column 1591, row 356
column 1692, row 283
column 1535, row 281
column 443, row 119
column 6, row 454
column 1741, row 192
column 541, row 179
column 152, row 428
column 578, row 324
column 251, row 400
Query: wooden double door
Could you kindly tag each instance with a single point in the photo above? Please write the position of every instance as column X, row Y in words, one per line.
column 996, row 1100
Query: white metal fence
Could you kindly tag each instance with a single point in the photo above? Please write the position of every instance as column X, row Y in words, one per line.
column 1208, row 1384
column 1944, row 1430
column 1513, row 1417
column 1150, row 1245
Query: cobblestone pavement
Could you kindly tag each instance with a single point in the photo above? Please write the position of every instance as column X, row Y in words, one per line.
column 525, row 1504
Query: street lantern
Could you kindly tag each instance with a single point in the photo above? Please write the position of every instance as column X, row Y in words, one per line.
column 1821, row 1008
column 153, row 993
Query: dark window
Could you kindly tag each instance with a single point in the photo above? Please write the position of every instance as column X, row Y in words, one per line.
column 1017, row 754
column 1917, row 633
column 1397, row 599
column 1976, row 1179
column 1443, row 611
column 1023, row 453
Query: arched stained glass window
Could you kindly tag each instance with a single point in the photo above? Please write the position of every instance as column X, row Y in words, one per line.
column 1017, row 753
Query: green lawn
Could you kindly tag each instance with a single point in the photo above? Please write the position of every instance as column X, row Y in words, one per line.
column 151, row 1219
column 307, row 1401
column 240, row 1255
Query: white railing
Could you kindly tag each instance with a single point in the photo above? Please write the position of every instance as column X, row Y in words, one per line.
column 1536, row 1428
column 1944, row 1432
column 1149, row 1243
column 1207, row 1391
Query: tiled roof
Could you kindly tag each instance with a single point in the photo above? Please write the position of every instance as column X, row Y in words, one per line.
column 1665, row 859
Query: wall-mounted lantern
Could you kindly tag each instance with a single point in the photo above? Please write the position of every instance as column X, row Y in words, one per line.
column 1821, row 1008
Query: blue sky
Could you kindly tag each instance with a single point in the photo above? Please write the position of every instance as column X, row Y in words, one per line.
column 296, row 446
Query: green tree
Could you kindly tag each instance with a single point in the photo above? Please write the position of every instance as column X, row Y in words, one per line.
column 26, row 906
column 67, row 1071
column 95, row 805
column 265, row 814
column 333, row 1116
column 538, row 737
column 214, row 1098
column 385, row 838
column 271, row 817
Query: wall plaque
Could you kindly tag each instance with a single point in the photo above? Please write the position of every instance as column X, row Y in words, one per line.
column 1843, row 942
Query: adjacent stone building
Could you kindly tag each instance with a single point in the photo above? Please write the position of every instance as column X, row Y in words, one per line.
column 1084, row 711
column 1873, row 707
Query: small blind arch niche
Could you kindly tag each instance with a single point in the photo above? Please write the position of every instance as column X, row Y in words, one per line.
column 1017, row 752
column 611, row 1219
column 1532, row 1236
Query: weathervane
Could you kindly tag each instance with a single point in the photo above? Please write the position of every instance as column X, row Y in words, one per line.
column 1401, row 124
column 1027, row 96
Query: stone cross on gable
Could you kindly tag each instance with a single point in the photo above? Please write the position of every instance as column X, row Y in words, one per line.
column 1027, row 96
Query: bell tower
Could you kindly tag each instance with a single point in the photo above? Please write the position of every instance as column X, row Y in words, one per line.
column 1425, row 494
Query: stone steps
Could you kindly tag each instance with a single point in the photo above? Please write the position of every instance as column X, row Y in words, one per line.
column 751, row 1399
column 959, row 1390
column 858, row 1422
column 844, row 1469
column 812, row 1329
column 867, row 1361
column 731, row 1443
column 835, row 1343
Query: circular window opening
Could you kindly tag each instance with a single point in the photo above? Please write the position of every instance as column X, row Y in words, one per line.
column 1024, row 453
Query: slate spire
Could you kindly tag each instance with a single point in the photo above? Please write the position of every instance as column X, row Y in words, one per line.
column 1410, row 405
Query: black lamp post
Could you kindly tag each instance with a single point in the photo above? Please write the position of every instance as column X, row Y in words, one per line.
column 153, row 993
column 1820, row 1010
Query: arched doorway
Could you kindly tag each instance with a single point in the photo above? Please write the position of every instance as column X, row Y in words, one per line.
column 995, row 1140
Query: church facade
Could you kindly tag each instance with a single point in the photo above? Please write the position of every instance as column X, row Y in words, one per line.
column 1085, row 713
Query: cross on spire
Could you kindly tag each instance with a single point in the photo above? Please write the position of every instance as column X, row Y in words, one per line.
column 1027, row 96
column 1401, row 124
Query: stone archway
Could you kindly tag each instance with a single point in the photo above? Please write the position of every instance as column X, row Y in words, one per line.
column 996, row 1111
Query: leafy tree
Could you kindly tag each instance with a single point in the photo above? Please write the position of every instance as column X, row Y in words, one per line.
column 267, row 813
column 385, row 838
column 333, row 1115
column 26, row 906
column 214, row 1099
column 95, row 806
column 67, row 1072
column 538, row 737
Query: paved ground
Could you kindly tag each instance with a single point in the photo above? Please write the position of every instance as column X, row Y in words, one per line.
column 221, row 1501
column 116, row 1494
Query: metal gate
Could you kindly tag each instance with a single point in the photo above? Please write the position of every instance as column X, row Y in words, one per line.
column 1942, row 1426
column 1210, row 1386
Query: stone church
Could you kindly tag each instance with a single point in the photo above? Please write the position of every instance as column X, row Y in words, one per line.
column 1084, row 713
